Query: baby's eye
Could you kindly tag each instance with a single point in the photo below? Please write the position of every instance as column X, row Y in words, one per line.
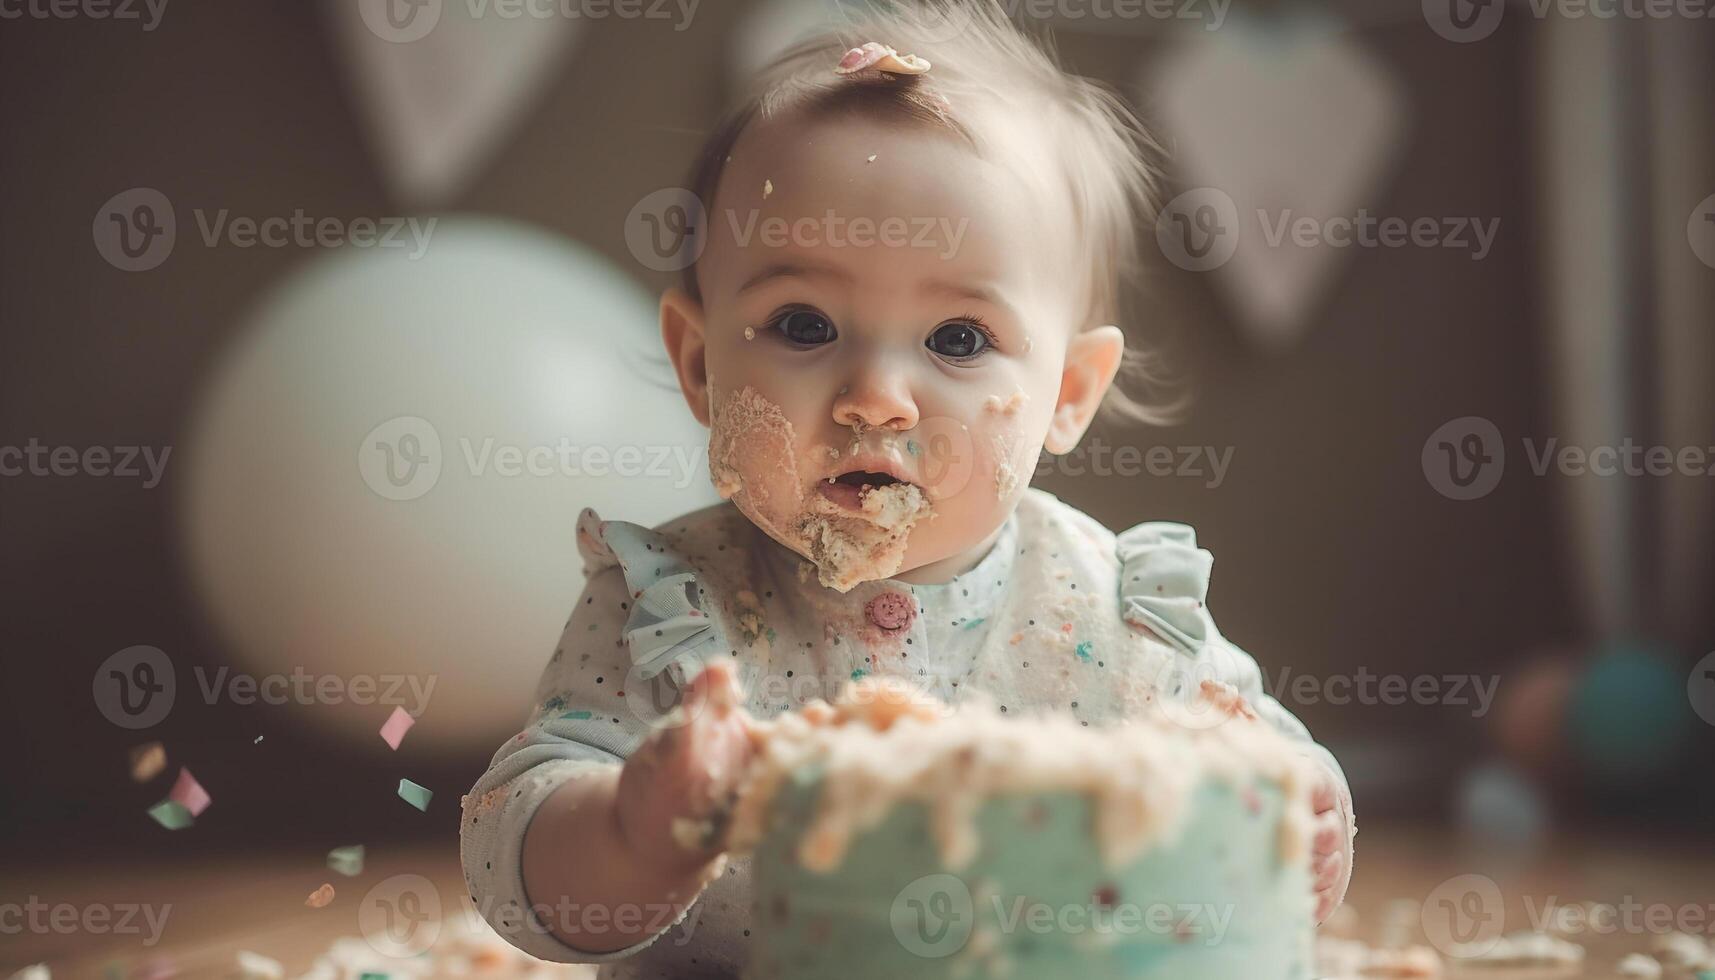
column 806, row 327
column 958, row 340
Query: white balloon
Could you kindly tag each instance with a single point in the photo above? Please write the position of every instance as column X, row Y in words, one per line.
column 385, row 477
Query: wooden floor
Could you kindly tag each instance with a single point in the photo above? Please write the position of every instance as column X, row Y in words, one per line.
column 214, row 910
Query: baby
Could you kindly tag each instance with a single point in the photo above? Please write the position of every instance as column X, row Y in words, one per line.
column 953, row 219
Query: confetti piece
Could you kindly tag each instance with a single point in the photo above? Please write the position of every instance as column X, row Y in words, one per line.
column 398, row 723
column 321, row 898
column 255, row 966
column 171, row 815
column 882, row 57
column 159, row 968
column 575, row 716
column 188, row 793
column 1083, row 650
column 38, row 971
column 871, row 158
column 258, row 740
column 147, row 761
column 767, row 189
column 347, row 861
column 415, row 795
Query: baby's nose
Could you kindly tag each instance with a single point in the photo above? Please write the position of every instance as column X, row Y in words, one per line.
column 878, row 400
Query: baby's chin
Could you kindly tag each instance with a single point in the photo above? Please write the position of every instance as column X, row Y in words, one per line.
column 846, row 544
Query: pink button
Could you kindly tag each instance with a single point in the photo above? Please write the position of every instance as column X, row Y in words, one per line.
column 891, row 611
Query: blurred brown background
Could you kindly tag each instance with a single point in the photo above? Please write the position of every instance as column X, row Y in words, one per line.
column 1334, row 551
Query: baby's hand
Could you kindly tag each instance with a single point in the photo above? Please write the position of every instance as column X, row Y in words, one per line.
column 676, row 788
column 1328, row 843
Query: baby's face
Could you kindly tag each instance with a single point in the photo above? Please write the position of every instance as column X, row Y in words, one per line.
column 880, row 307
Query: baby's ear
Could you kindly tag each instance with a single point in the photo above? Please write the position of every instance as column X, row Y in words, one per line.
column 1092, row 360
column 682, row 332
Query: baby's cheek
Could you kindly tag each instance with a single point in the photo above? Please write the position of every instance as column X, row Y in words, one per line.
column 1011, row 443
column 753, row 457
column 944, row 454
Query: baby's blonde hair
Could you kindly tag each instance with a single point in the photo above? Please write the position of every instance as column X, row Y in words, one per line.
column 989, row 82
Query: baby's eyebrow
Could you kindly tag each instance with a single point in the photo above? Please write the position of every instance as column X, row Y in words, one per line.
column 982, row 293
column 785, row 270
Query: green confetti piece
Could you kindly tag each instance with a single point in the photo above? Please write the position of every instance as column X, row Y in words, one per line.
column 912, row 447
column 972, row 623
column 1083, row 650
column 859, row 674
column 415, row 795
column 575, row 716
column 372, row 976
column 347, row 861
column 171, row 815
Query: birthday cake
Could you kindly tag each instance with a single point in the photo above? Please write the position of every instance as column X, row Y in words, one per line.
column 895, row 837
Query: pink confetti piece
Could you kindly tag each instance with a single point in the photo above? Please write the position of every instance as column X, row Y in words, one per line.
column 321, row 898
column 398, row 723
column 188, row 793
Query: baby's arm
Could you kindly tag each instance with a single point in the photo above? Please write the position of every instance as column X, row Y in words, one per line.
column 1330, row 796
column 1164, row 587
column 566, row 845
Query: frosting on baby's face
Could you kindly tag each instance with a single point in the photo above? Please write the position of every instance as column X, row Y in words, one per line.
column 886, row 318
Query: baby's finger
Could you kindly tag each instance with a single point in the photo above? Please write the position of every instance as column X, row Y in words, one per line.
column 1325, row 904
column 1328, row 871
column 1324, row 794
column 1326, row 840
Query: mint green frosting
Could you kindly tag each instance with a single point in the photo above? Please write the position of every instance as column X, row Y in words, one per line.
column 1038, row 900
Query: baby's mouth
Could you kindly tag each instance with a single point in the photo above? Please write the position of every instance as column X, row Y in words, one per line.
column 848, row 489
